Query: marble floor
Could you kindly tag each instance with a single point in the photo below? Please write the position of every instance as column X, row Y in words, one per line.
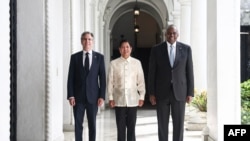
column 146, row 127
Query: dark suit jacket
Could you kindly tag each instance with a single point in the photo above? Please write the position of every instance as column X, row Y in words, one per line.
column 95, row 80
column 161, row 73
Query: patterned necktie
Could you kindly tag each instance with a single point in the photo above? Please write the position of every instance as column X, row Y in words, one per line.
column 86, row 63
column 171, row 56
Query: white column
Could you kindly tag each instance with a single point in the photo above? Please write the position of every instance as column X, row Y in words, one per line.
column 76, row 25
column 107, row 49
column 223, row 70
column 96, row 29
column 176, row 18
column 68, row 119
column 88, row 15
column 54, row 77
column 185, row 21
column 199, row 43
column 5, row 71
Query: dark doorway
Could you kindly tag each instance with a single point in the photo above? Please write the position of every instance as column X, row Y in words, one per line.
column 245, row 52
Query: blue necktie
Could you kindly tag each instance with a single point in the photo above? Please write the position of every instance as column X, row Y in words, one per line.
column 86, row 63
column 171, row 56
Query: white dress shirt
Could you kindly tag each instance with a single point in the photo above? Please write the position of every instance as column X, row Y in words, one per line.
column 126, row 84
column 90, row 57
column 174, row 48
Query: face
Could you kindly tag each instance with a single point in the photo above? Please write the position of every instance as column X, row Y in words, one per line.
column 125, row 50
column 171, row 34
column 87, row 42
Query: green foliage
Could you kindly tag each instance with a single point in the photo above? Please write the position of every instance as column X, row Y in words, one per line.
column 245, row 102
column 200, row 101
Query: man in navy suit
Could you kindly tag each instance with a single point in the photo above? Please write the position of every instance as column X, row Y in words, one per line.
column 171, row 83
column 86, row 85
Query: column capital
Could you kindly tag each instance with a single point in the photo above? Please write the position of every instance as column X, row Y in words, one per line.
column 176, row 13
column 185, row 2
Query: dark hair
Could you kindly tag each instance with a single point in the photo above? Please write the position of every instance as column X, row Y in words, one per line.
column 86, row 32
column 123, row 41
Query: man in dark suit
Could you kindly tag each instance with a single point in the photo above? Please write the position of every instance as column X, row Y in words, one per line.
column 171, row 83
column 86, row 85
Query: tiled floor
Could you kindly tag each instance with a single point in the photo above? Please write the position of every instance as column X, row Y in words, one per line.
column 146, row 127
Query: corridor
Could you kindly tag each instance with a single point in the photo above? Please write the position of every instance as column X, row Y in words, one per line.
column 146, row 127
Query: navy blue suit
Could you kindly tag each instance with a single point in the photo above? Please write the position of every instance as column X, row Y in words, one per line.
column 86, row 88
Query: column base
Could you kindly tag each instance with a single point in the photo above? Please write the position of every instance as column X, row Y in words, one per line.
column 68, row 128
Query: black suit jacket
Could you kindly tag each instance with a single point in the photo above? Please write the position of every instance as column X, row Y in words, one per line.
column 161, row 73
column 95, row 80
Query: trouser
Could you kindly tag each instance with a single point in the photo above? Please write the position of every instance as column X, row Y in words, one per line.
column 177, row 110
column 126, row 121
column 79, row 111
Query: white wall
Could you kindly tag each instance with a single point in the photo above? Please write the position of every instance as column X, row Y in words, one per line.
column 30, row 70
column 4, row 71
column 39, row 70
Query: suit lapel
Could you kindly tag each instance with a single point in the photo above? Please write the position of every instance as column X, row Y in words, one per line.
column 80, row 63
column 93, row 61
column 164, row 55
column 178, row 53
column 164, row 51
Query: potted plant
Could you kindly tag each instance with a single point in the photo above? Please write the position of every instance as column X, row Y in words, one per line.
column 197, row 117
column 200, row 101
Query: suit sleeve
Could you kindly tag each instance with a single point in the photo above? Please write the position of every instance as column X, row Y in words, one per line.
column 70, row 83
column 102, row 78
column 190, row 74
column 152, row 71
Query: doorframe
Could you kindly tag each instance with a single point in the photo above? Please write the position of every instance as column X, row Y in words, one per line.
column 13, row 69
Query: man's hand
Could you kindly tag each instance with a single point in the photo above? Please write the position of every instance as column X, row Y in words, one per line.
column 111, row 103
column 100, row 102
column 189, row 99
column 152, row 99
column 72, row 101
column 141, row 102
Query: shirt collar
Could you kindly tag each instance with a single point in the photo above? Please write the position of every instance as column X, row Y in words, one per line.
column 173, row 45
column 90, row 52
column 128, row 59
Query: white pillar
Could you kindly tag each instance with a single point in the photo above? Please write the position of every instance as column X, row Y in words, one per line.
column 5, row 71
column 54, row 66
column 176, row 18
column 88, row 12
column 107, row 49
column 76, row 25
column 185, row 21
column 223, row 70
column 68, row 119
column 199, row 43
